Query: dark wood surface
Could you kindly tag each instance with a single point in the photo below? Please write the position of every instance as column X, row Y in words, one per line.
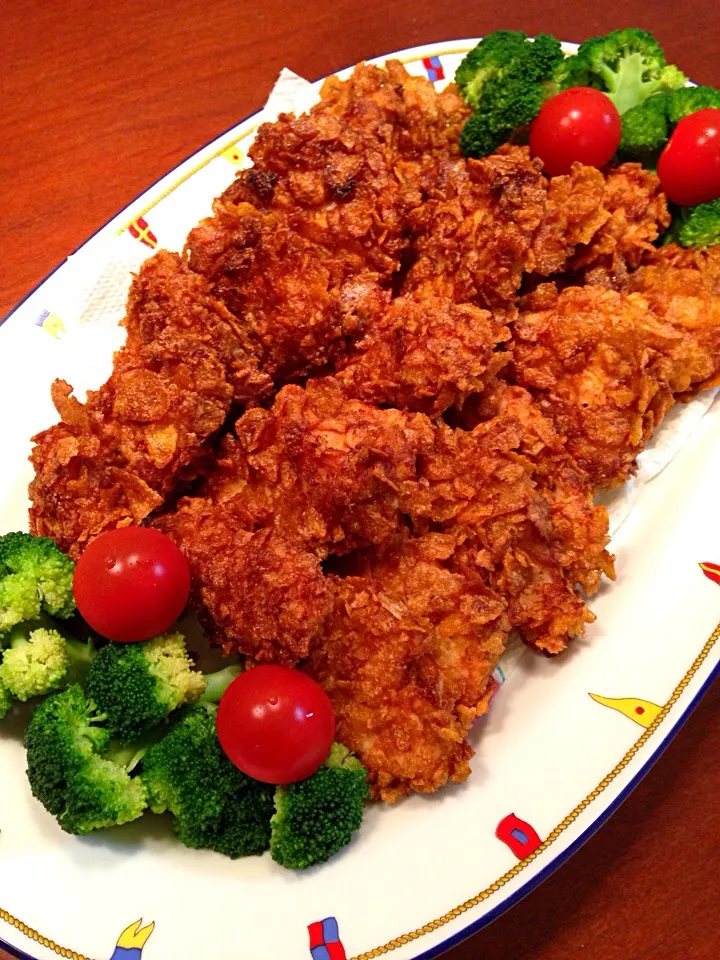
column 99, row 100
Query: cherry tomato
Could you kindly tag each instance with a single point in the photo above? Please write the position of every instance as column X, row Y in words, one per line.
column 689, row 166
column 579, row 124
column 276, row 724
column 131, row 584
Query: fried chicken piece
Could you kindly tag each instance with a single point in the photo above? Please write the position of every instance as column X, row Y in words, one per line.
column 472, row 241
column 321, row 467
column 314, row 475
column 426, row 355
column 534, row 531
column 638, row 214
column 406, row 657
column 605, row 369
column 405, row 113
column 112, row 460
column 574, row 213
column 682, row 287
column 260, row 592
column 299, row 304
column 333, row 184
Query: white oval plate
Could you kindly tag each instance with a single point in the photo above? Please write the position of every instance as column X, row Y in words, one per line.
column 552, row 762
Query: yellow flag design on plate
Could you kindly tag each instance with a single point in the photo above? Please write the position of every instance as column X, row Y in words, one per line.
column 641, row 711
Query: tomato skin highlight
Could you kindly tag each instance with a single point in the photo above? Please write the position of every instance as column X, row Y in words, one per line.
column 578, row 125
column 689, row 166
column 131, row 584
column 276, row 724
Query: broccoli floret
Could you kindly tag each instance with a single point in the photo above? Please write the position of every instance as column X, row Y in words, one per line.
column 42, row 658
column 34, row 577
column 645, row 130
column 695, row 226
column 215, row 806
column 6, row 699
column 689, row 100
column 511, row 97
column 137, row 685
column 628, row 64
column 315, row 818
column 488, row 58
column 70, row 771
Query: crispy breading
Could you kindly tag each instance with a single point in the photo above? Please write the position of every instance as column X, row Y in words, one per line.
column 683, row 288
column 426, row 355
column 259, row 592
column 331, row 183
column 403, row 112
column 316, row 474
column 406, row 658
column 534, row 531
column 472, row 238
column 605, row 368
column 298, row 303
column 113, row 459
column 637, row 215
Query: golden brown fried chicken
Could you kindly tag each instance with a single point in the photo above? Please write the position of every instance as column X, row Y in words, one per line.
column 113, row 460
column 574, row 212
column 333, row 184
column 426, row 355
column 314, row 475
column 472, row 238
column 637, row 213
column 260, row 592
column 322, row 468
column 404, row 113
column 406, row 658
column 682, row 287
column 299, row 304
column 534, row 532
column 605, row 368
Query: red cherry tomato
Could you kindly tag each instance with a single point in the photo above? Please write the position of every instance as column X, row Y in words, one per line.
column 131, row 584
column 689, row 166
column 276, row 724
column 579, row 124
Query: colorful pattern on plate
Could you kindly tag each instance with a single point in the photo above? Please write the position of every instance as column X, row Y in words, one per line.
column 433, row 68
column 519, row 835
column 132, row 940
column 325, row 940
column 711, row 571
column 641, row 711
column 140, row 230
column 51, row 323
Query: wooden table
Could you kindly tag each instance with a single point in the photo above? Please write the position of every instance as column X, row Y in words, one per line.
column 99, row 100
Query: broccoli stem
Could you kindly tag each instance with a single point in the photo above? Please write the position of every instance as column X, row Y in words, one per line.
column 218, row 682
column 130, row 756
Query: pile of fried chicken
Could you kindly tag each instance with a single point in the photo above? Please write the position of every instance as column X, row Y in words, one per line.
column 374, row 398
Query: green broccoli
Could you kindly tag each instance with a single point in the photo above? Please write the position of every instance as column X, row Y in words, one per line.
column 215, row 806
column 316, row 817
column 490, row 57
column 137, row 685
column 71, row 771
column 34, row 577
column 42, row 658
column 689, row 100
column 511, row 97
column 695, row 226
column 645, row 130
column 6, row 699
column 627, row 64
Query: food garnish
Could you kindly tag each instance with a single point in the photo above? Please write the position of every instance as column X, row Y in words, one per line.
column 131, row 584
column 580, row 125
column 276, row 724
column 136, row 686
